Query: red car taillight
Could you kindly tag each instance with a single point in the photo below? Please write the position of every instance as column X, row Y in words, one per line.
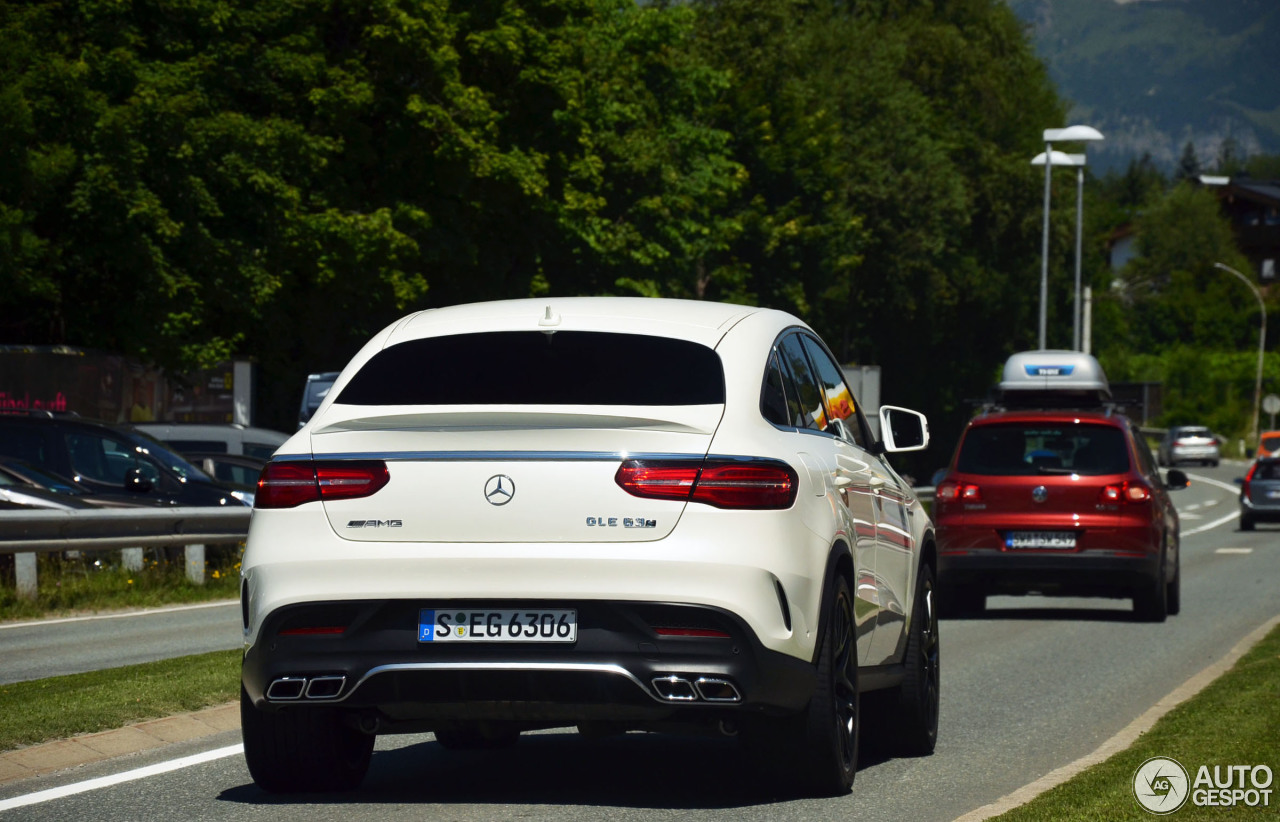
column 1248, row 478
column 1122, row 492
column 290, row 484
column 958, row 492
column 748, row 484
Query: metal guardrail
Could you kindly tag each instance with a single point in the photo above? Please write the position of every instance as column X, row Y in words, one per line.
column 92, row 529
column 27, row 533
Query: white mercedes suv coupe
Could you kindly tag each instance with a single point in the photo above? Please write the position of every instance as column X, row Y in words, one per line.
column 609, row 513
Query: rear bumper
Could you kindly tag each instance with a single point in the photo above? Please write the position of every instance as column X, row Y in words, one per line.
column 1267, row 512
column 376, row 669
column 1094, row 573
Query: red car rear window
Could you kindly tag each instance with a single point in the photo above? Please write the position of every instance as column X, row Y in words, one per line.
column 1030, row 448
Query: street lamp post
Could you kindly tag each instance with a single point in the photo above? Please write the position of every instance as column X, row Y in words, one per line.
column 1262, row 346
column 1058, row 158
column 1070, row 134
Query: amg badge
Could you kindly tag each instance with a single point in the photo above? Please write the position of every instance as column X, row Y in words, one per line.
column 375, row 523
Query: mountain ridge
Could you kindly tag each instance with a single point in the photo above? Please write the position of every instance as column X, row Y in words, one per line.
column 1155, row 75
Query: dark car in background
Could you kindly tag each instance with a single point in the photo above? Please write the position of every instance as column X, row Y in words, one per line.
column 1260, row 493
column 111, row 459
column 1052, row 492
column 20, row 477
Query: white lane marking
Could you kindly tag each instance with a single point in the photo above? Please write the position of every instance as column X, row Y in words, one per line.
column 147, row 612
column 1226, row 486
column 1209, row 526
column 1128, row 735
column 116, row 779
column 1234, row 551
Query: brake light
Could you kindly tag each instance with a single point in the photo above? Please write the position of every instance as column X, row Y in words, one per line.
column 1248, row 478
column 290, row 484
column 735, row 484
column 957, row 492
column 704, row 633
column 1122, row 492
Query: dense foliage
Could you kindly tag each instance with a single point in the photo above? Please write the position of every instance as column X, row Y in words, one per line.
column 185, row 181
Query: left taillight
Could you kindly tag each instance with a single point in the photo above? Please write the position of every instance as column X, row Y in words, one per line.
column 290, row 484
column 737, row 484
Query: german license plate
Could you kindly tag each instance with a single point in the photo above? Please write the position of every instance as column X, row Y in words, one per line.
column 453, row 625
column 1058, row 540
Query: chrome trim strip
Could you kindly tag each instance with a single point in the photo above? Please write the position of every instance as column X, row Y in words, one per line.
column 566, row 667
column 502, row 456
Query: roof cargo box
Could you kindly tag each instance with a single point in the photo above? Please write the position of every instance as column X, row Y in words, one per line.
column 1054, row 379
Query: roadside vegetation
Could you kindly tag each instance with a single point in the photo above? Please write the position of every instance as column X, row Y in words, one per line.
column 97, row 582
column 64, row 706
column 1233, row 721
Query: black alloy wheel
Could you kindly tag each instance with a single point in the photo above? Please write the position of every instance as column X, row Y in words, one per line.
column 919, row 696
column 815, row 752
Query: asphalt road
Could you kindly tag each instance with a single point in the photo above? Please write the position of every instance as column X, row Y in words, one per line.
column 1033, row 685
column 35, row 650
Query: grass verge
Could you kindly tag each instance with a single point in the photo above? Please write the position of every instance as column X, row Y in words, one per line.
column 96, row 581
column 64, row 706
column 1233, row 721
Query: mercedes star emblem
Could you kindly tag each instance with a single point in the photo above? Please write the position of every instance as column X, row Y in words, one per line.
column 499, row 489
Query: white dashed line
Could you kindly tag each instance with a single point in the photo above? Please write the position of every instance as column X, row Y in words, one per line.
column 116, row 779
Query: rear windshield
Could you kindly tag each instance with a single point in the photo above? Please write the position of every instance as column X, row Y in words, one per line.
column 1028, row 449
column 1267, row 470
column 534, row 368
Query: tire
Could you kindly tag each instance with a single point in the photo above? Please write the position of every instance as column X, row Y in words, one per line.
column 913, row 716
column 1173, row 592
column 961, row 601
column 302, row 750
column 471, row 736
column 1246, row 523
column 1151, row 600
column 816, row 751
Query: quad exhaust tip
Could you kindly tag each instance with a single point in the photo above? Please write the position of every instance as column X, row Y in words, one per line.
column 674, row 688
column 290, row 688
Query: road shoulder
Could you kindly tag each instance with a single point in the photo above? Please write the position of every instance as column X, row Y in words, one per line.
column 61, row 754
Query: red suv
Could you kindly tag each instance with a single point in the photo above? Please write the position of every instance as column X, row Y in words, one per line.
column 1050, row 491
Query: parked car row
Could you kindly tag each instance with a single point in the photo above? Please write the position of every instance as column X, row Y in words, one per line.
column 65, row 461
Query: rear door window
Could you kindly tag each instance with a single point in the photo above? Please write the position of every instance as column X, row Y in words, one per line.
column 535, row 368
column 808, row 410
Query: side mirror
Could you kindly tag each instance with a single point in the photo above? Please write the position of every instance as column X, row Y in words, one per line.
column 1175, row 479
column 136, row 482
column 902, row 429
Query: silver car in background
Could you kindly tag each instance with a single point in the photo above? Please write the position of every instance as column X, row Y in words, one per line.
column 1189, row 443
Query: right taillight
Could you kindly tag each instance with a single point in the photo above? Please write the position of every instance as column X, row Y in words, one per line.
column 738, row 484
column 1124, row 492
column 290, row 484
